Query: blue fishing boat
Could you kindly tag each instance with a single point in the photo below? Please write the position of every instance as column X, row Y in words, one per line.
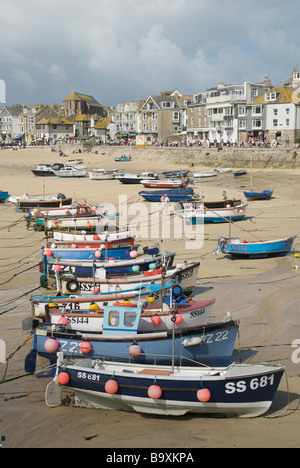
column 246, row 249
column 123, row 159
column 3, row 196
column 175, row 174
column 175, row 195
column 240, row 172
column 239, row 390
column 264, row 195
column 94, row 301
column 91, row 253
column 212, row 344
column 111, row 266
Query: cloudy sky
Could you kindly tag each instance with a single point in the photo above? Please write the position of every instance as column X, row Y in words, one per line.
column 119, row 50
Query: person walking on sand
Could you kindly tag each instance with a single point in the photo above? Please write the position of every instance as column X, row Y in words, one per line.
column 165, row 201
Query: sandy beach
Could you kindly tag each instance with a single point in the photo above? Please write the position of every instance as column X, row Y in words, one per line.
column 262, row 294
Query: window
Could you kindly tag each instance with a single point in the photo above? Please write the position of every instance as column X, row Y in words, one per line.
column 275, row 111
column 287, row 122
column 271, row 97
column 257, row 124
column 242, row 124
column 242, row 110
column 275, row 123
column 255, row 92
column 287, row 111
column 256, row 110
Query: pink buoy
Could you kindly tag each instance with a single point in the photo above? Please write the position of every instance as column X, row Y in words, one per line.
column 88, row 225
column 154, row 392
column 85, row 347
column 98, row 254
column 95, row 237
column 73, row 246
column 95, row 290
column 51, row 345
column 133, row 254
column 63, row 378
column 203, row 395
column 156, row 320
column 178, row 319
column 67, row 211
column 102, row 246
column 135, row 350
column 57, row 268
column 111, row 386
column 63, row 321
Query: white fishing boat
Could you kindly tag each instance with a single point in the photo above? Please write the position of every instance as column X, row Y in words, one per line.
column 103, row 174
column 136, row 178
column 203, row 215
column 240, row 390
column 204, row 174
column 186, row 274
column 70, row 171
column 82, row 236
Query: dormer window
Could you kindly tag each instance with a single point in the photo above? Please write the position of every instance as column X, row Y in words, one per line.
column 271, row 97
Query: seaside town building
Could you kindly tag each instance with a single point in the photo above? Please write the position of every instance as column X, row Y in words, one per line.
column 224, row 114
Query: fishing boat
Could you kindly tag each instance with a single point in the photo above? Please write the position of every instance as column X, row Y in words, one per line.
column 82, row 236
column 113, row 267
column 164, row 183
column 264, row 195
column 88, row 222
column 207, row 216
column 152, row 319
column 204, row 174
column 96, row 243
column 103, row 174
column 239, row 390
column 240, row 172
column 3, row 196
column 174, row 195
column 123, row 158
column 211, row 344
column 136, row 178
column 244, row 248
column 46, row 170
column 186, row 274
column 73, row 162
column 90, row 253
column 135, row 296
column 225, row 170
column 257, row 195
column 70, row 210
column 70, row 171
column 27, row 202
column 175, row 174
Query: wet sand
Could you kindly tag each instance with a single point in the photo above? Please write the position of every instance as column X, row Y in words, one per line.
column 262, row 294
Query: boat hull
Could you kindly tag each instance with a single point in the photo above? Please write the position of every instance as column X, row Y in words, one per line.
column 213, row 345
column 194, row 314
column 250, row 250
column 186, row 275
column 240, row 390
column 253, row 196
column 91, row 253
column 88, row 268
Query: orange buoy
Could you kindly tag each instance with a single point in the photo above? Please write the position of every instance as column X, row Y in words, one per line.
column 203, row 395
column 63, row 378
column 51, row 345
column 154, row 392
column 85, row 347
column 111, row 386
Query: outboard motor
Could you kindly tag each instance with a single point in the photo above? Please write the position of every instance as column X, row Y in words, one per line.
column 221, row 244
column 61, row 196
column 27, row 217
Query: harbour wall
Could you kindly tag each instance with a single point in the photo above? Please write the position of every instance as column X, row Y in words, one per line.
column 277, row 158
